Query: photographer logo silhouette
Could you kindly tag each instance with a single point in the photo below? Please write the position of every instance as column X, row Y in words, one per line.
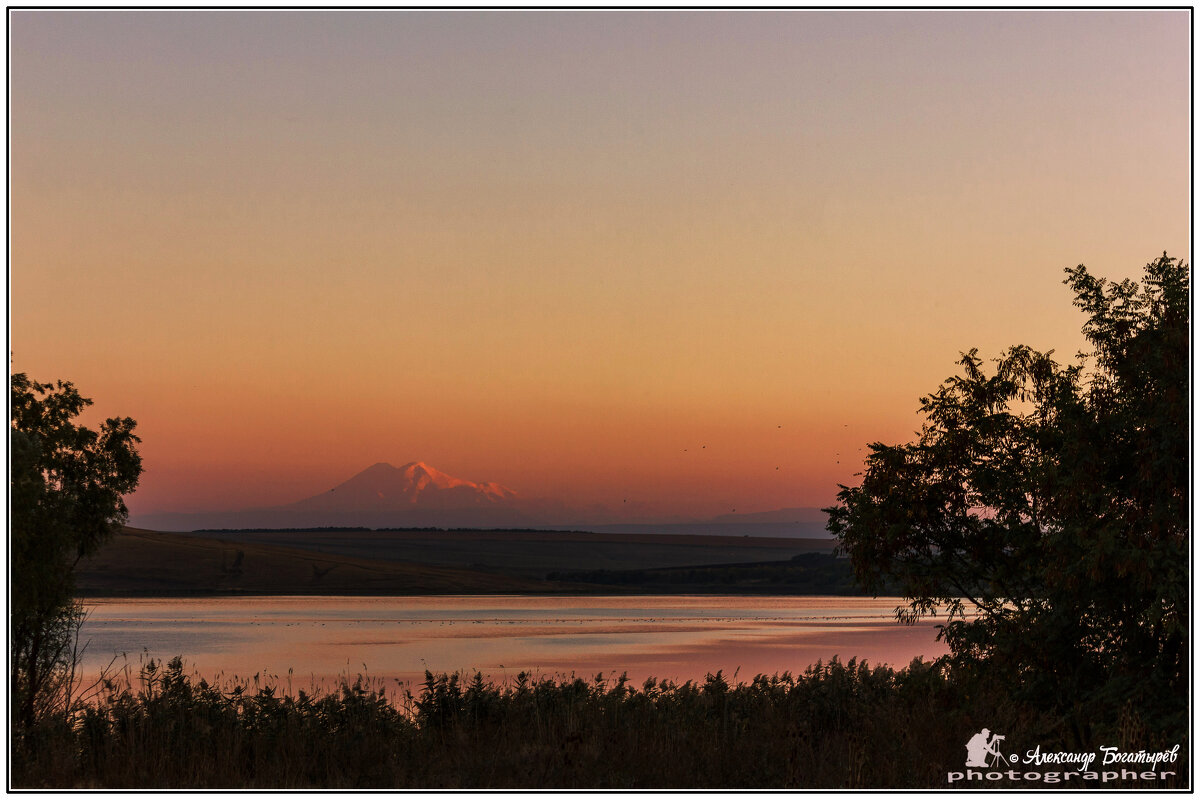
column 983, row 751
column 987, row 762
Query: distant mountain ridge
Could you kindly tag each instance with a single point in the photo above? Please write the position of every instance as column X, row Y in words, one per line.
column 783, row 515
column 417, row 495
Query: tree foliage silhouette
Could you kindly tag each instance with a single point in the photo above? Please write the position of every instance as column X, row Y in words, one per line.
column 66, row 483
column 1052, row 501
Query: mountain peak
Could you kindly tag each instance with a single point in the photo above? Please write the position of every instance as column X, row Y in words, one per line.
column 413, row 485
column 421, row 475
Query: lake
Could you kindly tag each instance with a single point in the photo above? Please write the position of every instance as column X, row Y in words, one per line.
column 393, row 640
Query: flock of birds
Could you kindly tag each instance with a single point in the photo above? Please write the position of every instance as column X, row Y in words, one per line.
column 837, row 460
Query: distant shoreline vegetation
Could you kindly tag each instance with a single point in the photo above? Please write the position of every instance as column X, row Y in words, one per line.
column 363, row 529
column 331, row 528
column 803, row 574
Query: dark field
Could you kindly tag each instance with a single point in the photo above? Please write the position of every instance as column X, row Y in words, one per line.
column 152, row 563
column 532, row 554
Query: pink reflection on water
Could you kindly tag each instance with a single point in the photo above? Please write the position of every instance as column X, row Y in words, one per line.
column 395, row 639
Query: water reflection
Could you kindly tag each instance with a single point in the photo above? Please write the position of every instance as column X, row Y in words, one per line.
column 398, row 638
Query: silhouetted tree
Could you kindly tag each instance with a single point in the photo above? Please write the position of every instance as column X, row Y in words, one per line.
column 67, row 483
column 1053, row 502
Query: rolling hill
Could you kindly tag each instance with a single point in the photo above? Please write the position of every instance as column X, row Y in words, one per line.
column 329, row 562
column 151, row 563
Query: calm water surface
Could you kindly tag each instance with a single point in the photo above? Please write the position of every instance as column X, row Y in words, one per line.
column 397, row 638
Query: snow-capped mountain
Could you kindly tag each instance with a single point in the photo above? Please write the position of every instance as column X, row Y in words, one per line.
column 383, row 487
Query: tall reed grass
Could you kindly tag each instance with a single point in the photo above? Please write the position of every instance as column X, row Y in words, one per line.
column 836, row 725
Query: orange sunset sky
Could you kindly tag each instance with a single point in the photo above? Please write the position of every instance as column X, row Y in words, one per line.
column 555, row 250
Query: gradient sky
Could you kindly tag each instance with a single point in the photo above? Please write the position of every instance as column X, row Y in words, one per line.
column 556, row 249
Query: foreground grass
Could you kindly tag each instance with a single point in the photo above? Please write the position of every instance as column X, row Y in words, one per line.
column 835, row 726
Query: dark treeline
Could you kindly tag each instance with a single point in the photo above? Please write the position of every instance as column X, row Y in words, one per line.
column 364, row 529
column 803, row 574
column 320, row 529
column 834, row 726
